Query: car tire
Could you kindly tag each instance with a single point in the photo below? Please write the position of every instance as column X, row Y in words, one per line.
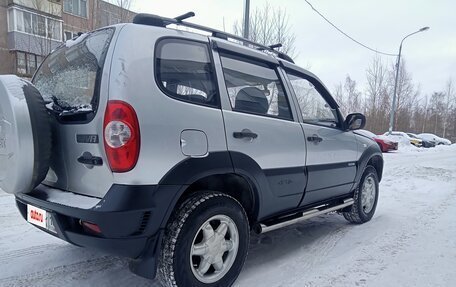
column 366, row 198
column 41, row 129
column 193, row 240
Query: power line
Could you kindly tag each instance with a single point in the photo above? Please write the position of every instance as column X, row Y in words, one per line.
column 345, row 34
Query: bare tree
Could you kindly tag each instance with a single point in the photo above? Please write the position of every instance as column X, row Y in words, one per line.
column 377, row 99
column 125, row 6
column 340, row 98
column 437, row 107
column 353, row 96
column 270, row 25
column 406, row 95
column 348, row 96
column 449, row 105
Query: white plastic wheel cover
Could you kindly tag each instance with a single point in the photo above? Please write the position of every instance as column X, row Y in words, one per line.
column 16, row 137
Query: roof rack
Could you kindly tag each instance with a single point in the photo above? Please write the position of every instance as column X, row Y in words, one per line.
column 158, row 21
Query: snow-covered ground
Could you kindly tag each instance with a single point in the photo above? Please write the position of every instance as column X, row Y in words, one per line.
column 411, row 241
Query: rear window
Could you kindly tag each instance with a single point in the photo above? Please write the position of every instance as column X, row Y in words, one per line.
column 185, row 72
column 68, row 79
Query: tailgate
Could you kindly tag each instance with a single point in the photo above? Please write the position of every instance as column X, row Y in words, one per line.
column 73, row 81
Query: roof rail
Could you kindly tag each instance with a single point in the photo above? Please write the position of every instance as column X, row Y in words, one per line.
column 158, row 21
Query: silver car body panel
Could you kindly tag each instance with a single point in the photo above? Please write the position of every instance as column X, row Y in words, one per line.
column 162, row 119
column 279, row 150
column 337, row 146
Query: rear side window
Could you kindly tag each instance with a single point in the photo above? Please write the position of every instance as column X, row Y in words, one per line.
column 184, row 71
column 255, row 89
column 68, row 77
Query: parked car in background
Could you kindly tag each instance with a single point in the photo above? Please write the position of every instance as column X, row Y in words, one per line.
column 435, row 139
column 426, row 143
column 383, row 142
column 404, row 138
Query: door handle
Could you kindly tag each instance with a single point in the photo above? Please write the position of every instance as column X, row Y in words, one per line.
column 245, row 133
column 315, row 138
column 88, row 159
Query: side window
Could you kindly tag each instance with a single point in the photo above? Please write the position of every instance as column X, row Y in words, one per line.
column 185, row 72
column 255, row 89
column 314, row 108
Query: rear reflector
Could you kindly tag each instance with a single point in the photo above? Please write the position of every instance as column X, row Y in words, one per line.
column 91, row 227
column 121, row 136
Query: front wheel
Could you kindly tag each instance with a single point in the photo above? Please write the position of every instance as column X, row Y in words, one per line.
column 205, row 243
column 366, row 197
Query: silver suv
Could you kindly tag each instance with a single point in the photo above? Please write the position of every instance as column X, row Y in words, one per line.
column 169, row 147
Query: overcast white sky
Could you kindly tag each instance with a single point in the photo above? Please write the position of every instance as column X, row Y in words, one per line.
column 380, row 24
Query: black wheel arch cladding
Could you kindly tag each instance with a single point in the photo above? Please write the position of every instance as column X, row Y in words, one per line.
column 372, row 155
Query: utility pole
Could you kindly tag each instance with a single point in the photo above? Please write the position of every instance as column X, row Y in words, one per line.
column 246, row 19
column 393, row 108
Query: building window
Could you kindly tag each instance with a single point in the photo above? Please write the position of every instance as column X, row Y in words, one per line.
column 76, row 7
column 27, row 63
column 34, row 24
column 21, row 63
column 39, row 60
column 31, row 64
column 68, row 35
column 10, row 20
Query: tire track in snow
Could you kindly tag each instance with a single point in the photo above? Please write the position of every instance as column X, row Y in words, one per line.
column 296, row 249
column 63, row 274
column 27, row 252
column 375, row 258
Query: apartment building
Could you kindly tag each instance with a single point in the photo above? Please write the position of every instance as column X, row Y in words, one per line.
column 31, row 29
column 87, row 15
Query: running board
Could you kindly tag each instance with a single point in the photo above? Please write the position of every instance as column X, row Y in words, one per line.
column 316, row 211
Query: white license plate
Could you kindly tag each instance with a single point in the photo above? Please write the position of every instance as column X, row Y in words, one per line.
column 40, row 217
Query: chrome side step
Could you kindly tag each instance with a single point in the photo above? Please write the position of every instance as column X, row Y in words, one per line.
column 316, row 211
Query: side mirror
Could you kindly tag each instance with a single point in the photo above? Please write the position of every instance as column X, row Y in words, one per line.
column 355, row 121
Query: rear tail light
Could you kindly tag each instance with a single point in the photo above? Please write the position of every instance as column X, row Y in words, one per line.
column 121, row 136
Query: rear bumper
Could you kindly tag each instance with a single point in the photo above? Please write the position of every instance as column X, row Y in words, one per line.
column 131, row 219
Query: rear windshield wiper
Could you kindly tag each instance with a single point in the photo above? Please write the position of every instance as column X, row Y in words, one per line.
column 62, row 109
column 75, row 112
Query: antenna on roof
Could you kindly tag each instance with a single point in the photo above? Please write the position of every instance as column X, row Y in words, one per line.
column 278, row 45
column 184, row 16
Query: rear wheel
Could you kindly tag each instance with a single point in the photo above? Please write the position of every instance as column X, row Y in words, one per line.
column 366, row 197
column 205, row 243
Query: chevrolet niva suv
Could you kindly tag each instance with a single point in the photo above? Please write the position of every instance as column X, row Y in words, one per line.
column 169, row 147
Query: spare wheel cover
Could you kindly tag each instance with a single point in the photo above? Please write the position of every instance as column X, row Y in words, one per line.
column 25, row 136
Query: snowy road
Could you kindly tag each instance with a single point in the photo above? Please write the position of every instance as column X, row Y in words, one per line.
column 411, row 241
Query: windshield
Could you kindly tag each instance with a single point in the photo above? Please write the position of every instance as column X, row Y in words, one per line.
column 67, row 79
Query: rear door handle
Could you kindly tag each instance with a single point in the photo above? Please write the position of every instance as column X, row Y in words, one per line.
column 88, row 159
column 315, row 138
column 245, row 133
